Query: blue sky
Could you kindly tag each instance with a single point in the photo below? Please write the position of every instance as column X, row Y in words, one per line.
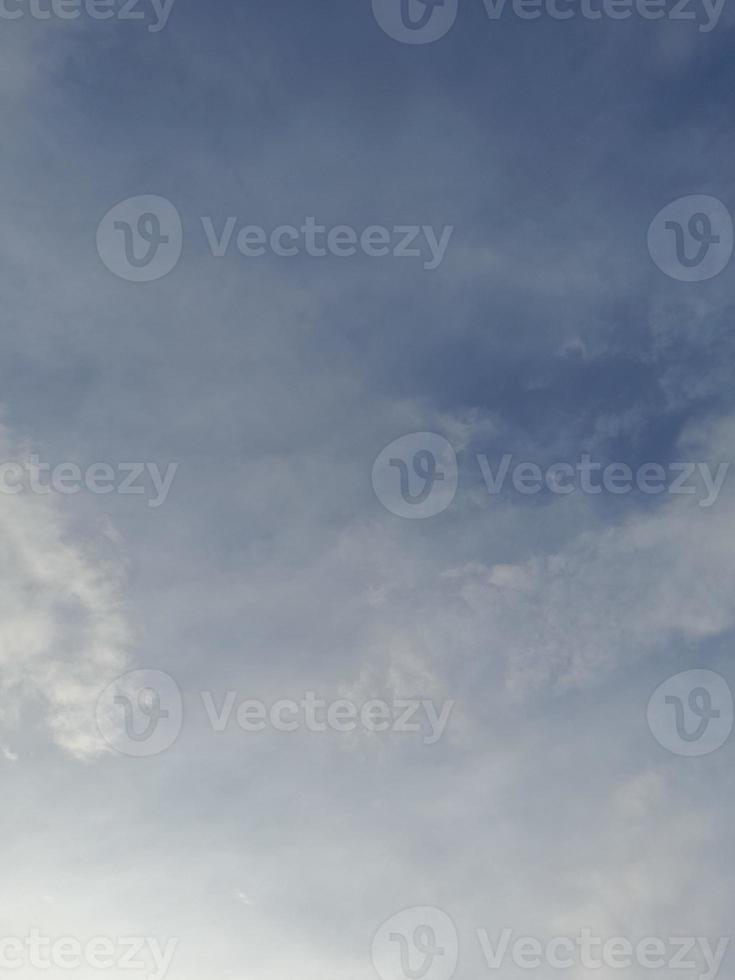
column 272, row 568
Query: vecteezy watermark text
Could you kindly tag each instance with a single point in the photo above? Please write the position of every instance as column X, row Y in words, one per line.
column 136, row 479
column 417, row 476
column 40, row 952
column 423, row 942
column 342, row 715
column 122, row 10
column 425, row 21
column 141, row 239
column 586, row 475
column 591, row 952
column 141, row 713
column 341, row 241
column 705, row 13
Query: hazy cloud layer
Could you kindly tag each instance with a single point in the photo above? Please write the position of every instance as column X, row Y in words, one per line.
column 273, row 569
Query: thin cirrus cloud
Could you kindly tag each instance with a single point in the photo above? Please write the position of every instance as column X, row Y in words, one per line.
column 272, row 568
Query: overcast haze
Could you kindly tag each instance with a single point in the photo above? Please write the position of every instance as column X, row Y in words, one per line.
column 269, row 555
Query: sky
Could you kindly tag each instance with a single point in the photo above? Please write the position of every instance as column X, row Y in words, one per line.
column 287, row 476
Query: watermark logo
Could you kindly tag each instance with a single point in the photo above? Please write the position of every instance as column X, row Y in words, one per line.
column 141, row 238
column 691, row 714
column 67, row 478
column 417, row 944
column 415, row 21
column 141, row 713
column 422, row 717
column 422, row 944
column 156, row 12
column 39, row 951
column 423, row 21
column 691, row 239
column 423, row 242
column 416, row 476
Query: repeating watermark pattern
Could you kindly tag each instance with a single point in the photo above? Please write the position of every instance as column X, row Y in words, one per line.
column 419, row 943
column 591, row 951
column 691, row 239
column 425, row 21
column 37, row 951
column 589, row 476
column 141, row 714
column 691, row 713
column 416, row 477
column 149, row 480
column 422, row 943
column 141, row 239
column 341, row 715
column 341, row 241
column 154, row 13
column 415, row 21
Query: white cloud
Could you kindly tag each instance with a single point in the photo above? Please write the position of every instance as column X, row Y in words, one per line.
column 63, row 631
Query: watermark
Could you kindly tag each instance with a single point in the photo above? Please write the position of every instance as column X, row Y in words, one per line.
column 691, row 714
column 415, row 21
column 30, row 475
column 416, row 477
column 422, row 943
column 141, row 714
column 589, row 476
column 341, row 241
column 426, row 21
column 691, row 239
column 40, row 952
column 154, row 12
column 141, row 239
column 342, row 715
column 591, row 951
